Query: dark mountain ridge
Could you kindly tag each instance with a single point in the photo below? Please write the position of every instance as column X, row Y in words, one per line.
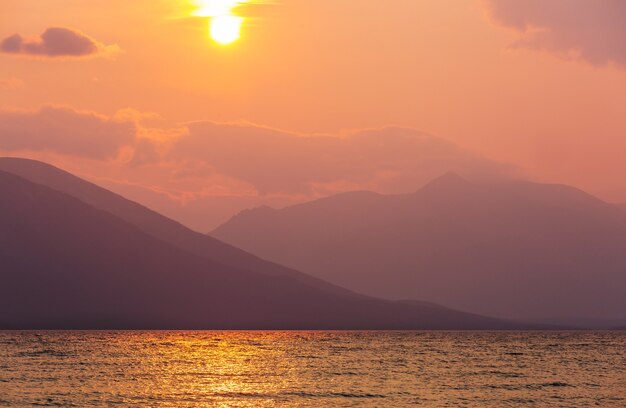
column 68, row 265
column 512, row 249
column 150, row 221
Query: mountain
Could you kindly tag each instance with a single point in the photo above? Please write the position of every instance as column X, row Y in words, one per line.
column 511, row 249
column 66, row 264
column 151, row 222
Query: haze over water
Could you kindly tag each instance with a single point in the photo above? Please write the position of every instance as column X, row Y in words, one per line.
column 186, row 369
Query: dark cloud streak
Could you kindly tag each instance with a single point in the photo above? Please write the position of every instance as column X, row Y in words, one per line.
column 590, row 30
column 65, row 131
column 56, row 42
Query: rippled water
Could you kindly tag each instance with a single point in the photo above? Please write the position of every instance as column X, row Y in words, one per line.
column 195, row 369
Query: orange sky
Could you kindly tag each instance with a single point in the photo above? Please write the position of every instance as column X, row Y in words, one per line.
column 539, row 90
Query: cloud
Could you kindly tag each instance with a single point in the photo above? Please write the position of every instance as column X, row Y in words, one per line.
column 388, row 160
column 591, row 30
column 57, row 42
column 202, row 158
column 65, row 131
column 204, row 172
column 10, row 84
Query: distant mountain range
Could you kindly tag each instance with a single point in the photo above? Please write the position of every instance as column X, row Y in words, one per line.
column 74, row 255
column 510, row 249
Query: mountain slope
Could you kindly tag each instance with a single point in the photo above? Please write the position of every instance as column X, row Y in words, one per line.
column 66, row 264
column 151, row 222
column 510, row 249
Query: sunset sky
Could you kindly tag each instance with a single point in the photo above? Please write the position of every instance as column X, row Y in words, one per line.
column 314, row 97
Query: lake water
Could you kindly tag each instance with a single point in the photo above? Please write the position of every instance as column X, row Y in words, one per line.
column 197, row 369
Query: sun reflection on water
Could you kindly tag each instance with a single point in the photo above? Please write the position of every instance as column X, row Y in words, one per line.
column 251, row 369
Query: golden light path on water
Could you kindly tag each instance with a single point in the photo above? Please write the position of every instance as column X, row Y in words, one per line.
column 312, row 369
column 224, row 25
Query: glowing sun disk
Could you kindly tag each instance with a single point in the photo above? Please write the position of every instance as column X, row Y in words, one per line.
column 225, row 25
column 225, row 29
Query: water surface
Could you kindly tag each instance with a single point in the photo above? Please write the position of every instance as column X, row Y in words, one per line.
column 203, row 369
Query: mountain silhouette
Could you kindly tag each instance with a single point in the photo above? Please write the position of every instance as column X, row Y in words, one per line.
column 511, row 249
column 67, row 264
column 150, row 221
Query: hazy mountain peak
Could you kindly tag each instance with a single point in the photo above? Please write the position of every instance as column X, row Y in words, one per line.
column 511, row 248
column 35, row 168
column 259, row 209
column 448, row 183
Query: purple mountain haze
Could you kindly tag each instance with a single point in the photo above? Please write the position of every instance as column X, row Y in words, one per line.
column 68, row 264
column 510, row 249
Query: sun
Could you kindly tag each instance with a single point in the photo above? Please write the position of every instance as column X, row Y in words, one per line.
column 225, row 29
column 224, row 25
